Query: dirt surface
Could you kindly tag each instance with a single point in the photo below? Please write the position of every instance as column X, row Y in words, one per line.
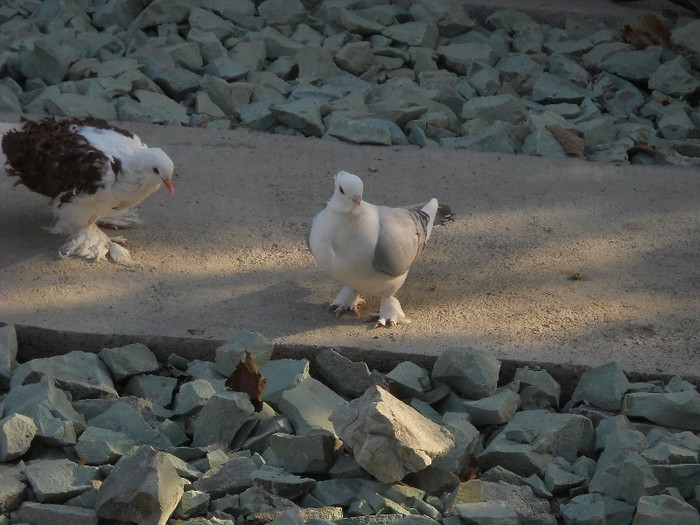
column 561, row 261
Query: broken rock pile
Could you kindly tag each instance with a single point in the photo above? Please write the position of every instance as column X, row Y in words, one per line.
column 118, row 437
column 379, row 72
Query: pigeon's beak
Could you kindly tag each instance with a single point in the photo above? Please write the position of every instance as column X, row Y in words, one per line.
column 357, row 199
column 168, row 183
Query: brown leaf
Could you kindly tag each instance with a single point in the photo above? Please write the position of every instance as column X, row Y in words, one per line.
column 648, row 31
column 247, row 378
column 573, row 144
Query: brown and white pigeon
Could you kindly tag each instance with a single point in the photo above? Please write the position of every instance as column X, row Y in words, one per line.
column 369, row 248
column 94, row 173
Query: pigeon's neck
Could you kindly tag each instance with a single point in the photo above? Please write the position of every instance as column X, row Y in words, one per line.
column 343, row 207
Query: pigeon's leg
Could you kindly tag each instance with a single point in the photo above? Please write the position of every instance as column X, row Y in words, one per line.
column 127, row 218
column 347, row 300
column 390, row 313
column 92, row 243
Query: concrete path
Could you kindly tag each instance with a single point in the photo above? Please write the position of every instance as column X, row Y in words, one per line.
column 229, row 252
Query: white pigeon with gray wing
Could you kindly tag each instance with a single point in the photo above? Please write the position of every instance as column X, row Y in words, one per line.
column 94, row 173
column 369, row 248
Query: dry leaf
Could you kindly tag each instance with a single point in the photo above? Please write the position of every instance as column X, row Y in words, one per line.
column 648, row 31
column 572, row 143
column 247, row 378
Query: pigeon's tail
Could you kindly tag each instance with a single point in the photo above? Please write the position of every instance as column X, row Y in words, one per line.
column 428, row 212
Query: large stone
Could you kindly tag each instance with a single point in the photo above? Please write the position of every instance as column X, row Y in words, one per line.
column 210, row 428
column 309, row 406
column 533, row 438
column 675, row 409
column 460, row 57
column 209, row 22
column 603, row 386
column 161, row 12
column 493, row 410
column 12, row 493
column 82, row 374
column 16, row 434
column 303, row 114
column 281, row 375
column 541, row 381
column 469, row 372
column 8, row 354
column 507, row 108
column 49, row 408
column 359, row 131
column 313, row 453
column 33, row 512
column 124, row 418
column 126, row 361
column 143, row 488
column 633, row 65
column 231, row 353
column 48, row 59
column 57, row 480
column 488, row 513
column 553, row 88
column 388, row 438
column 151, row 107
column 347, row 377
column 232, row 477
column 675, row 78
column 99, row 446
column 282, row 12
column 685, row 37
column 652, row 510
column 356, row 58
column 417, row 33
column 160, row 67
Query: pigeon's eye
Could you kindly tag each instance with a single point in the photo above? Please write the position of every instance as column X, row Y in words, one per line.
column 155, row 170
column 342, row 190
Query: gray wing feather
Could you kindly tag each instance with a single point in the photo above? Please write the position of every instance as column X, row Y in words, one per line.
column 402, row 236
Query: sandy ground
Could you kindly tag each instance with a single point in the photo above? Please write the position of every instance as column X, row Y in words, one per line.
column 229, row 252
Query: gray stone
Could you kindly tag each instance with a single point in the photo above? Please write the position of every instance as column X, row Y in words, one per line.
column 675, row 124
column 511, row 20
column 685, row 37
column 621, row 96
column 49, row 408
column 152, row 108
column 507, row 108
column 161, row 12
column 388, row 438
column 309, row 405
column 282, row 12
column 119, row 14
column 460, row 57
column 56, row 480
column 636, row 478
column 410, row 379
column 342, row 492
column 308, row 454
column 12, row 493
column 226, row 68
column 192, row 396
column 542, row 143
column 278, row 45
column 157, row 389
column 675, row 78
column 540, row 380
column 124, row 418
column 603, row 386
column 684, row 477
column 664, row 453
column 99, row 446
column 8, row 354
column 210, row 428
column 9, row 101
column 33, row 512
column 486, row 80
column 652, row 510
column 207, row 21
column 347, row 377
column 488, row 513
column 47, row 59
column 416, row 33
column 354, row 23
column 233, row 351
column 633, row 65
column 546, row 435
column 316, row 63
column 16, row 434
column 356, row 58
column 281, row 375
column 469, row 372
column 465, row 436
column 553, row 88
column 232, row 477
column 564, row 67
column 280, row 483
column 227, row 96
column 618, row 445
column 358, row 131
column 585, row 509
column 597, row 131
column 143, row 487
column 493, row 410
column 675, row 409
column 203, row 105
column 209, row 46
column 160, row 67
column 303, row 114
column 126, row 361
column 559, row 480
column 192, row 503
column 75, row 105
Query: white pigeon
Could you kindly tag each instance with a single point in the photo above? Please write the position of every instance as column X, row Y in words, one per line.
column 94, row 173
column 369, row 248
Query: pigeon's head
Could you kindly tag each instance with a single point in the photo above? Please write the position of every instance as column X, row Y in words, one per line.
column 154, row 165
column 348, row 192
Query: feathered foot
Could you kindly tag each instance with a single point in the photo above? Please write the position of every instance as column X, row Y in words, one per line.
column 390, row 313
column 347, row 300
column 127, row 218
column 92, row 243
